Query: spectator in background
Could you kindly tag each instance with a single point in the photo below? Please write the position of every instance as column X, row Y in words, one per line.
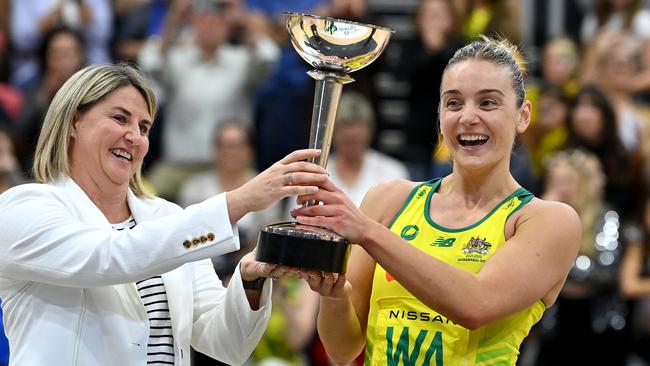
column 30, row 20
column 135, row 22
column 422, row 64
column 354, row 166
column 60, row 55
column 560, row 61
column 620, row 16
column 11, row 99
column 558, row 85
column 592, row 126
column 549, row 133
column 232, row 167
column 616, row 15
column 635, row 283
column 613, row 65
column 490, row 17
column 292, row 323
column 10, row 174
column 205, row 79
column 589, row 313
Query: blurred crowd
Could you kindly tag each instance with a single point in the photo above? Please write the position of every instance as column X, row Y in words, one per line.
column 235, row 97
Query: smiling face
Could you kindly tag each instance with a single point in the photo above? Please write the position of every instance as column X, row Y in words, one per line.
column 479, row 116
column 109, row 140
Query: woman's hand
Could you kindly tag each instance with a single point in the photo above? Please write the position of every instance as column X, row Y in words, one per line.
column 291, row 176
column 330, row 285
column 337, row 213
column 251, row 269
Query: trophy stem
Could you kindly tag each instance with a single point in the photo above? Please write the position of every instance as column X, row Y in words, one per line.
column 326, row 102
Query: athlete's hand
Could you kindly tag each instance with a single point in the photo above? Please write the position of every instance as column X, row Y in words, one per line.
column 332, row 285
column 337, row 213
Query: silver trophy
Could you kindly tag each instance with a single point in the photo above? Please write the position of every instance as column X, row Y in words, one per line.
column 334, row 47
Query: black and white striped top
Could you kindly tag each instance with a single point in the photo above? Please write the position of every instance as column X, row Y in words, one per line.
column 160, row 347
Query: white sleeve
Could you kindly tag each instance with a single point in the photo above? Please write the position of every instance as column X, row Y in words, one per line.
column 225, row 327
column 41, row 241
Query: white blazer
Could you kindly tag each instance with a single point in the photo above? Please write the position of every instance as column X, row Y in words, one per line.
column 67, row 279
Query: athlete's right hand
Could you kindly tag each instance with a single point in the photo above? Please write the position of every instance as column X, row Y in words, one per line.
column 333, row 285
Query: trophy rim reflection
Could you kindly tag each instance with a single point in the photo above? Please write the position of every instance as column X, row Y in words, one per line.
column 338, row 64
column 338, row 20
column 334, row 51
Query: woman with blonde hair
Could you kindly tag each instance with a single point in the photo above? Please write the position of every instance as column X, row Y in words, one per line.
column 96, row 271
column 590, row 311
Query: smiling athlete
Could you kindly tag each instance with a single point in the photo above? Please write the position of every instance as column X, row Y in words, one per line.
column 454, row 271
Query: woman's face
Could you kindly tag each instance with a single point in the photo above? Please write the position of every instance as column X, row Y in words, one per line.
column 109, row 141
column 618, row 68
column 562, row 182
column 558, row 63
column 64, row 56
column 587, row 121
column 479, row 117
column 212, row 29
column 233, row 151
column 552, row 111
column 434, row 16
column 351, row 140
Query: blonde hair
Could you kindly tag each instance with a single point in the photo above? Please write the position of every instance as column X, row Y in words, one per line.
column 79, row 93
column 354, row 107
column 589, row 200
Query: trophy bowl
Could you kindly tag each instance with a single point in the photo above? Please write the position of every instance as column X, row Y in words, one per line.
column 334, row 47
column 335, row 44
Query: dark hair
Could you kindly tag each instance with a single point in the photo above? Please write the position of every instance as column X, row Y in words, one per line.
column 232, row 123
column 497, row 51
column 49, row 37
column 609, row 140
column 554, row 91
column 604, row 9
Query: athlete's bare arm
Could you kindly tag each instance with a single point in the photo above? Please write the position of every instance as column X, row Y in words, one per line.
column 532, row 264
column 343, row 314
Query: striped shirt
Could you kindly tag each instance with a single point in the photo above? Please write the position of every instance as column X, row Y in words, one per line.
column 160, row 347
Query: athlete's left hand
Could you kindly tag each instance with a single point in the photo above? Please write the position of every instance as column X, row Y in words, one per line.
column 337, row 213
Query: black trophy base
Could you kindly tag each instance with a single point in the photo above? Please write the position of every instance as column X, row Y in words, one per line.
column 303, row 246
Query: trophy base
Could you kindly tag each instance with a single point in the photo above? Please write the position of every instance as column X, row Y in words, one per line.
column 303, row 246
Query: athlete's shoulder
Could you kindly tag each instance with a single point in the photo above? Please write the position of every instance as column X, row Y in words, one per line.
column 550, row 214
column 383, row 201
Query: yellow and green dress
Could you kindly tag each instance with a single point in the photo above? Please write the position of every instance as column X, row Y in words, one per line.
column 404, row 331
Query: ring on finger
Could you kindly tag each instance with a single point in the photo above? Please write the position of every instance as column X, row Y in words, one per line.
column 288, row 179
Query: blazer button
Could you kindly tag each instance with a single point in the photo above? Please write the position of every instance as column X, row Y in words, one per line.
column 195, row 241
column 210, row 236
column 187, row 244
column 203, row 238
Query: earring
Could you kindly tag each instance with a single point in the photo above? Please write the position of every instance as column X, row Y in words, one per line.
column 73, row 134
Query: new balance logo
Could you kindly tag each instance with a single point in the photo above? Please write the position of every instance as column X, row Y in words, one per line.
column 442, row 242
